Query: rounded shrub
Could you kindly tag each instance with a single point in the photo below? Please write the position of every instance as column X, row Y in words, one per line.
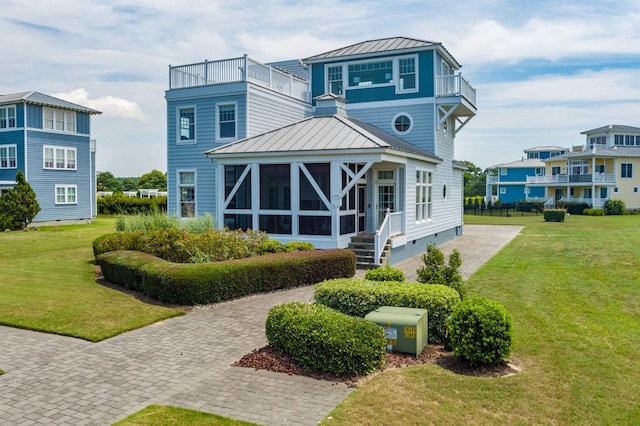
column 298, row 246
column 270, row 246
column 481, row 331
column 614, row 207
column 358, row 297
column 384, row 273
column 322, row 339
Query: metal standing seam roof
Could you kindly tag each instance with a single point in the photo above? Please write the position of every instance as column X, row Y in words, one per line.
column 37, row 98
column 390, row 44
column 523, row 163
column 617, row 152
column 612, row 128
column 546, row 148
column 325, row 133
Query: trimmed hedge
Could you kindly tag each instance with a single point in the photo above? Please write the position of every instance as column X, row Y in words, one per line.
column 554, row 215
column 358, row 297
column 118, row 204
column 201, row 283
column 322, row 339
column 481, row 331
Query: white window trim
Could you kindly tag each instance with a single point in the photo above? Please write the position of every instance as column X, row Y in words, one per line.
column 396, row 74
column 503, row 190
column 66, row 122
column 195, row 192
column 327, row 88
column 503, row 171
column 195, row 125
column 15, row 116
column 627, row 170
column 393, row 123
column 235, row 106
column 8, row 147
column 428, row 205
column 66, row 194
column 66, row 149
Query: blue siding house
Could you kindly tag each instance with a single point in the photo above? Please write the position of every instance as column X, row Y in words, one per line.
column 49, row 139
column 508, row 181
column 348, row 148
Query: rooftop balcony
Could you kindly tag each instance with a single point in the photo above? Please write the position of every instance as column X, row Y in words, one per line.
column 237, row 70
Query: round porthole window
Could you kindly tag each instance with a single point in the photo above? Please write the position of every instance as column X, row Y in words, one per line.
column 402, row 123
column 445, row 128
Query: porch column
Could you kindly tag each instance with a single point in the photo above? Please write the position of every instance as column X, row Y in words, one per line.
column 336, row 188
column 255, row 194
column 593, row 182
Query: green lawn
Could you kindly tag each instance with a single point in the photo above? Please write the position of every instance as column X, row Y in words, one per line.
column 158, row 415
column 573, row 289
column 47, row 283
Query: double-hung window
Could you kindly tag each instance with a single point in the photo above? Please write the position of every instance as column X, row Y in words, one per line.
column 59, row 158
column 7, row 117
column 227, row 121
column 8, row 157
column 334, row 79
column 59, row 120
column 187, row 125
column 626, row 170
column 423, row 195
column 407, row 74
column 187, row 193
column 66, row 194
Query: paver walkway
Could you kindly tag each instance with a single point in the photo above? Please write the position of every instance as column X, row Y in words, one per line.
column 184, row 361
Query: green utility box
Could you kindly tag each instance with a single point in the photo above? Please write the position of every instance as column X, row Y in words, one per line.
column 404, row 328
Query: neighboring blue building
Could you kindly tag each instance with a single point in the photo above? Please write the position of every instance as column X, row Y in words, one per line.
column 508, row 181
column 50, row 141
column 355, row 140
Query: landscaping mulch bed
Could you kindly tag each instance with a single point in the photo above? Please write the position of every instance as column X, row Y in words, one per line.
column 268, row 358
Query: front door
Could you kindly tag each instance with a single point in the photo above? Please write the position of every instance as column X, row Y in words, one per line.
column 362, row 208
column 559, row 193
column 386, row 200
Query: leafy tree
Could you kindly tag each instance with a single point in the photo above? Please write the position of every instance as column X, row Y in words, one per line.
column 475, row 180
column 130, row 183
column 155, row 179
column 18, row 206
column 435, row 271
column 106, row 181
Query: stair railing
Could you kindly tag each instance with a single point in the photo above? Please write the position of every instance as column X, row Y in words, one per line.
column 381, row 236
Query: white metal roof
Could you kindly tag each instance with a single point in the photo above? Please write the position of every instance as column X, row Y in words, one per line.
column 38, row 98
column 325, row 133
column 612, row 128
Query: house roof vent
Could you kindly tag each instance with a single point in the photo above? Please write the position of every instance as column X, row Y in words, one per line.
column 330, row 104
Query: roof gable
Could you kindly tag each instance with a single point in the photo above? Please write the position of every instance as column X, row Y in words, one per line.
column 612, row 128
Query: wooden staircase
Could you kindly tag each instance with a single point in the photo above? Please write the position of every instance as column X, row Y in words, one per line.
column 363, row 245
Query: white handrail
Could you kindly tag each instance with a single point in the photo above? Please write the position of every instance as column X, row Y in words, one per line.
column 381, row 236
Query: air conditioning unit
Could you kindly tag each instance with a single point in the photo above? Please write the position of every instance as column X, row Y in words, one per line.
column 406, row 329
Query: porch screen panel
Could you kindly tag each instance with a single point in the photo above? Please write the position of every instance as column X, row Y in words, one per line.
column 275, row 194
column 238, row 221
column 314, row 225
column 309, row 198
column 242, row 198
column 275, row 223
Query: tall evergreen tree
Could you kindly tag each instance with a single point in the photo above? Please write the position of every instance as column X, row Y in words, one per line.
column 18, row 206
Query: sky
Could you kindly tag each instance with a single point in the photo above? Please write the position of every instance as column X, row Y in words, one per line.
column 544, row 71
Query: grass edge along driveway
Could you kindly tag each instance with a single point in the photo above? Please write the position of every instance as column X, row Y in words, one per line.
column 47, row 283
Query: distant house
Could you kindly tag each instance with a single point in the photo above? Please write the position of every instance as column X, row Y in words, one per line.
column 352, row 147
column 49, row 139
column 508, row 181
column 606, row 167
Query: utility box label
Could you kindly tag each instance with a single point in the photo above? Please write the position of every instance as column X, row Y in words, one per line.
column 390, row 333
column 410, row 332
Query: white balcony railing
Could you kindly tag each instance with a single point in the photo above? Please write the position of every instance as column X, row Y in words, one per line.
column 584, row 178
column 455, row 85
column 236, row 70
column 391, row 226
column 593, row 202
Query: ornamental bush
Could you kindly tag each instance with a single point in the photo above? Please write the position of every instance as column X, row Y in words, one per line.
column 358, row 297
column 481, row 331
column 384, row 273
column 322, row 339
column 614, row 207
column 435, row 271
column 554, row 215
column 18, row 205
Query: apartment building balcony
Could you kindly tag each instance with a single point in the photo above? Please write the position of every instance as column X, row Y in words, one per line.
column 237, row 70
column 599, row 178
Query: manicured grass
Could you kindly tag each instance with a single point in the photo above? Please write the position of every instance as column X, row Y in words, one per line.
column 573, row 289
column 47, row 283
column 158, row 415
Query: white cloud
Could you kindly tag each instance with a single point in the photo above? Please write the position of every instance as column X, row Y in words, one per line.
column 109, row 105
